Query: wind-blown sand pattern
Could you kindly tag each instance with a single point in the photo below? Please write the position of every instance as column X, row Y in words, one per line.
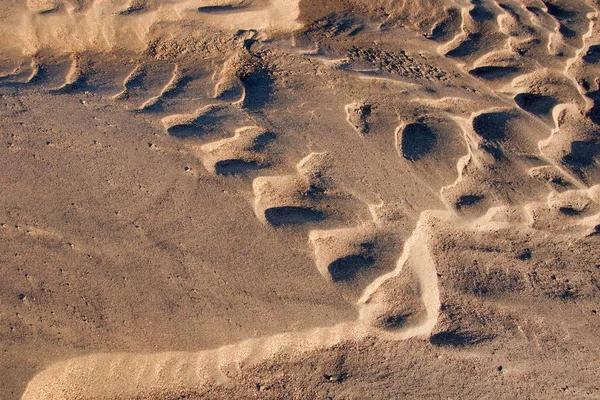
column 299, row 199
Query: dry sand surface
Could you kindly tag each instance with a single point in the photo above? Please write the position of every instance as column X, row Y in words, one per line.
column 283, row 199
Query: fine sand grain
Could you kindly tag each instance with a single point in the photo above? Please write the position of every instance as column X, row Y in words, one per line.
column 337, row 199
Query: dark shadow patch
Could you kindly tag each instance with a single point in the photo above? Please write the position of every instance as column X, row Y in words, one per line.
column 5, row 82
column 42, row 75
column 224, row 9
column 492, row 126
column 559, row 12
column 469, row 46
column 558, row 181
column 356, row 31
column 315, row 191
column 291, row 215
column 536, row 104
column 393, row 322
column 492, row 72
column 468, row 200
column 566, row 31
column 417, row 141
column 592, row 56
column 594, row 113
column 510, row 10
column 75, row 87
column 524, row 255
column 137, row 81
column 137, row 9
column 568, row 294
column 184, row 131
column 201, row 126
column 583, row 154
column 78, row 86
column 231, row 94
column 480, row 14
column 494, row 150
column 53, row 71
column 570, row 211
column 534, row 10
column 345, row 268
column 455, row 338
column 258, row 87
column 51, row 10
column 236, row 166
column 262, row 141
column 159, row 105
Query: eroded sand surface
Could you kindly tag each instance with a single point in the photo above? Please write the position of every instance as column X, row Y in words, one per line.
column 272, row 199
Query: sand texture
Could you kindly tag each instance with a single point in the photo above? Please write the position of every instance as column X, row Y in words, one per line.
column 299, row 199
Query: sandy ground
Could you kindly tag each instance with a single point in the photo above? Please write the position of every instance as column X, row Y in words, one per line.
column 273, row 199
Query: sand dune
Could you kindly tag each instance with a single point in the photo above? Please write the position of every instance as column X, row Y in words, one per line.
column 200, row 194
column 75, row 26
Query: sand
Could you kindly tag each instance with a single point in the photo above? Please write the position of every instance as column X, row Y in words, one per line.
column 341, row 199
